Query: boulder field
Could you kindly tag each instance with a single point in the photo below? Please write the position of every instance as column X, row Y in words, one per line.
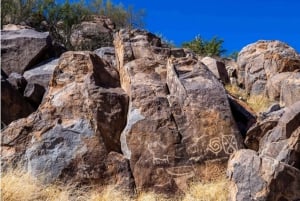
column 147, row 117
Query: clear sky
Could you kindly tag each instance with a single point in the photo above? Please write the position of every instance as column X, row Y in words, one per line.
column 238, row 23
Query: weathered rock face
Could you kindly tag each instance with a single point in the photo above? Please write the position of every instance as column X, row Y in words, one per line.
column 201, row 111
column 283, row 142
column 79, row 123
column 92, row 34
column 284, row 87
column 261, row 178
column 41, row 74
column 178, row 118
column 218, row 68
column 13, row 104
column 261, row 128
column 22, row 49
column 274, row 172
column 107, row 54
column 260, row 61
column 290, row 90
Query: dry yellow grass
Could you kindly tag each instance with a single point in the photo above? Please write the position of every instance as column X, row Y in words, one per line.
column 259, row 103
column 236, row 91
column 212, row 191
column 20, row 186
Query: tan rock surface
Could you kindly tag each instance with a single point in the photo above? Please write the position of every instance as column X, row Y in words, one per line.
column 260, row 61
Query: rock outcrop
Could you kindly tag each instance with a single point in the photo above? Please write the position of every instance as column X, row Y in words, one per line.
column 93, row 33
column 283, row 141
column 147, row 117
column 272, row 173
column 260, row 61
column 178, row 118
column 72, row 134
column 21, row 49
column 253, row 177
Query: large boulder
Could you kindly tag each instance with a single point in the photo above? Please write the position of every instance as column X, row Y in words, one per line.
column 79, row 123
column 261, row 178
column 260, row 61
column 13, row 104
column 92, row 34
column 178, row 118
column 21, row 49
column 42, row 73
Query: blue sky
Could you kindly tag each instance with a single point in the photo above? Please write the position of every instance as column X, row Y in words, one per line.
column 238, row 23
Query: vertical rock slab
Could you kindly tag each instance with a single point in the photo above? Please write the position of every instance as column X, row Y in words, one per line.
column 201, row 111
column 164, row 142
column 150, row 134
column 78, row 124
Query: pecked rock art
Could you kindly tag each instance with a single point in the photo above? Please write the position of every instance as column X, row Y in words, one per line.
column 178, row 117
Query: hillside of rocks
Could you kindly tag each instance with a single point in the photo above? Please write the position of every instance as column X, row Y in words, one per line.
column 146, row 117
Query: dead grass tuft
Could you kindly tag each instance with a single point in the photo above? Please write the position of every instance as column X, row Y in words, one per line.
column 236, row 91
column 18, row 185
column 211, row 191
column 21, row 186
column 259, row 103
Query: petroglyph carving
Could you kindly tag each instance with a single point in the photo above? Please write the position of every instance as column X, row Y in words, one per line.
column 215, row 145
column 161, row 161
column 157, row 160
column 229, row 143
column 187, row 171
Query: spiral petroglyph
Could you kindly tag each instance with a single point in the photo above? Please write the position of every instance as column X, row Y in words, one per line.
column 215, row 145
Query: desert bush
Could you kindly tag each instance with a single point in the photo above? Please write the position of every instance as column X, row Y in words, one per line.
column 202, row 47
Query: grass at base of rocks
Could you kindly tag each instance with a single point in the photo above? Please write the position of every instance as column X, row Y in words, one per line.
column 20, row 186
column 258, row 103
